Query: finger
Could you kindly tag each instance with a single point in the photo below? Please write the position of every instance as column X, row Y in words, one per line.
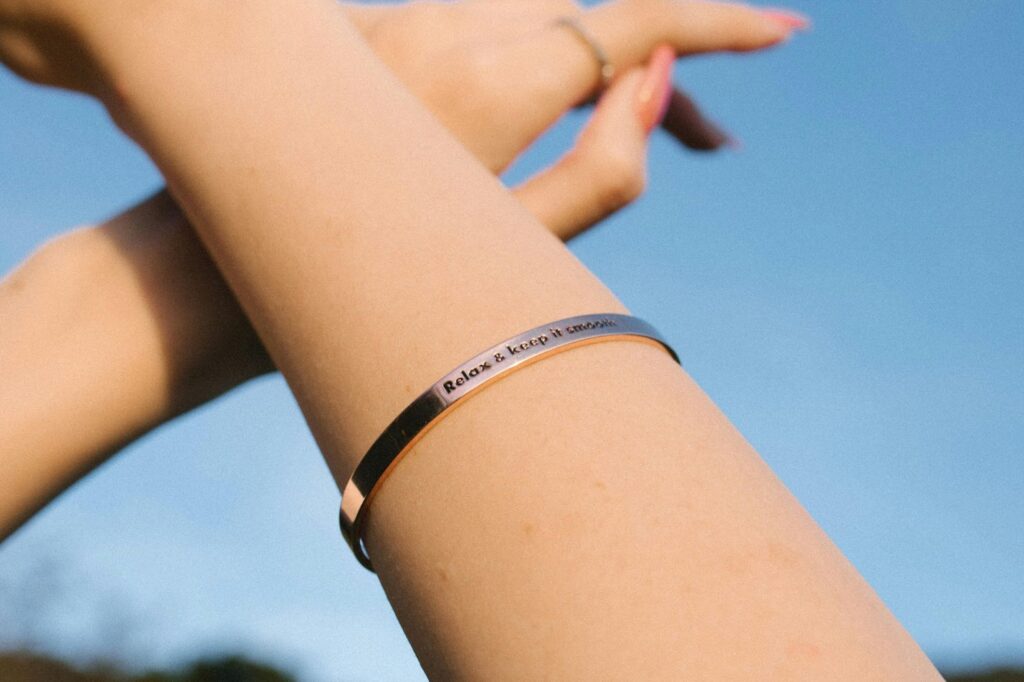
column 606, row 169
column 685, row 121
column 628, row 30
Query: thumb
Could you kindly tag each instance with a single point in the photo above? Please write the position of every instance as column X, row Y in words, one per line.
column 606, row 169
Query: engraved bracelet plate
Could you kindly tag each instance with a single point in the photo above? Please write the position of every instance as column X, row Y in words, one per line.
column 416, row 419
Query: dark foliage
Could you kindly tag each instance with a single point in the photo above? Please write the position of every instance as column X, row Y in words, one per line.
column 20, row 666
column 994, row 675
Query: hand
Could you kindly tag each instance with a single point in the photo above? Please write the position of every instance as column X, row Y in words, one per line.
column 482, row 66
column 504, row 61
column 508, row 67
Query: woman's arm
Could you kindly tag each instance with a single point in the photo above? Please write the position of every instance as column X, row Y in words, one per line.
column 593, row 515
column 157, row 332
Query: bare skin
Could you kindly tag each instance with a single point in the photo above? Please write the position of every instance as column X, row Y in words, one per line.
column 590, row 517
column 138, row 310
column 155, row 330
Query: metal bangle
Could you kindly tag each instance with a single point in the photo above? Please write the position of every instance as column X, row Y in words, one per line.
column 426, row 410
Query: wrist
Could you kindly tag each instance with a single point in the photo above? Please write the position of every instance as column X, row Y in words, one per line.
column 134, row 46
column 88, row 46
column 44, row 42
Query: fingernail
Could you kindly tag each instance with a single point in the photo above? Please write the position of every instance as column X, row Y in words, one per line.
column 663, row 109
column 789, row 19
column 656, row 89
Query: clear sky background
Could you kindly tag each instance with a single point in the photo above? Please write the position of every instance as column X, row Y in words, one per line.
column 848, row 288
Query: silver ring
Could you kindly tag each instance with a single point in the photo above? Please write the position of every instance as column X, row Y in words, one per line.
column 423, row 412
column 603, row 62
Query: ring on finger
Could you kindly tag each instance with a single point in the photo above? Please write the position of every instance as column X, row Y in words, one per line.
column 605, row 67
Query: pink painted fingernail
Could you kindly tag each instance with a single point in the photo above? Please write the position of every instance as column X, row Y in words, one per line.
column 656, row 90
column 789, row 19
column 663, row 109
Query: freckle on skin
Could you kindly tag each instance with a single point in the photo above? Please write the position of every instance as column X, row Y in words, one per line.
column 600, row 485
column 803, row 650
column 14, row 283
column 529, row 529
column 782, row 555
column 442, row 574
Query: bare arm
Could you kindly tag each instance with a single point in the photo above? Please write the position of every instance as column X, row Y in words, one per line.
column 154, row 329
column 112, row 330
column 592, row 516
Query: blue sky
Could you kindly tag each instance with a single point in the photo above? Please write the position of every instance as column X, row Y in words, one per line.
column 848, row 288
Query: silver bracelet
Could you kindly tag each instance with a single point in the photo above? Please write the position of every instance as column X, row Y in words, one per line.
column 426, row 410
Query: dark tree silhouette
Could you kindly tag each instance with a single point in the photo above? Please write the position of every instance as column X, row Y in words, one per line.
column 993, row 675
column 23, row 666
